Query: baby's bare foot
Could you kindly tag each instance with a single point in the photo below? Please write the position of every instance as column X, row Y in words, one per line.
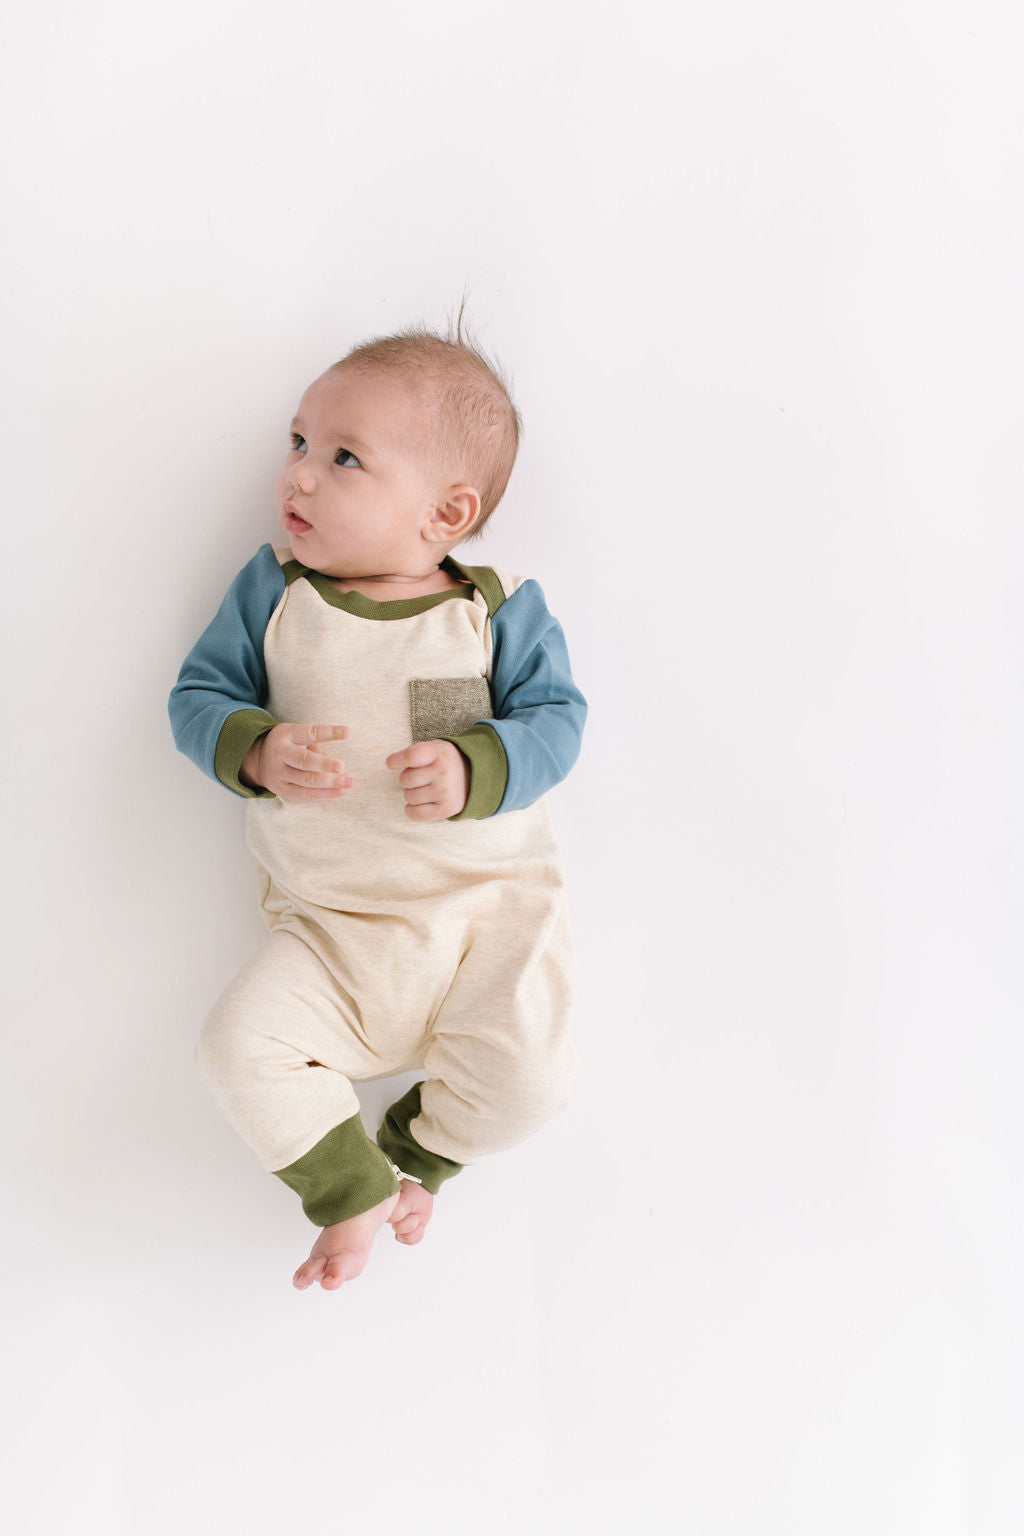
column 340, row 1252
column 410, row 1216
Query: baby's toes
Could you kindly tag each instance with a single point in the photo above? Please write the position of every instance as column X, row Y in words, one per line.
column 308, row 1274
column 342, row 1267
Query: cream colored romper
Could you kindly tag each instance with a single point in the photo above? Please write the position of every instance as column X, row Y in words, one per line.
column 394, row 944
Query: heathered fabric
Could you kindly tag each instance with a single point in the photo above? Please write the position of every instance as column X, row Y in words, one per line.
column 395, row 944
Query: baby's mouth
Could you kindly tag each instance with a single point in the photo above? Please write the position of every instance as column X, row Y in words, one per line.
column 293, row 521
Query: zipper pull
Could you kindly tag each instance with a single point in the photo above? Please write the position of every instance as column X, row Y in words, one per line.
column 399, row 1175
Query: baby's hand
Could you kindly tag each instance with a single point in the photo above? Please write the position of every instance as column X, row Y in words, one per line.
column 435, row 777
column 286, row 762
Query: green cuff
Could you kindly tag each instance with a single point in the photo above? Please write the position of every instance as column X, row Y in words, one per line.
column 342, row 1176
column 398, row 1144
column 237, row 734
column 488, row 770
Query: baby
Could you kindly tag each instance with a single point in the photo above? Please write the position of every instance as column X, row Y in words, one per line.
column 414, row 891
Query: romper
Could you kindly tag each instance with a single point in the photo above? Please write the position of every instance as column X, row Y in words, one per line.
column 394, row 944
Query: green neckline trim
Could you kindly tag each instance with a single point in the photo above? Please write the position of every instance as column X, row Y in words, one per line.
column 481, row 577
column 485, row 579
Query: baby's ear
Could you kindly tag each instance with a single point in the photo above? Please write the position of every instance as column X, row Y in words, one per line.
column 455, row 516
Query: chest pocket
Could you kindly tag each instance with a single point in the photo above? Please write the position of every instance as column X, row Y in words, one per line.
column 447, row 706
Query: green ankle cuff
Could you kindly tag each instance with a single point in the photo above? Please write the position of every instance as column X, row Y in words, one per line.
column 342, row 1176
column 398, row 1144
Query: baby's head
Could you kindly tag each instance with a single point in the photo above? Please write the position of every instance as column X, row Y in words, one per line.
column 400, row 451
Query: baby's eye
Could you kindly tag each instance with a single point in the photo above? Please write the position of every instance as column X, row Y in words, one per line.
column 299, row 444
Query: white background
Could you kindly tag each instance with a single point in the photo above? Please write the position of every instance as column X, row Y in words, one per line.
column 755, row 272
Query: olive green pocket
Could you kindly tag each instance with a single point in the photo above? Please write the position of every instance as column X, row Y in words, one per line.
column 447, row 706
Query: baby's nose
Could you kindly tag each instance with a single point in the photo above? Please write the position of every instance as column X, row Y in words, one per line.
column 301, row 477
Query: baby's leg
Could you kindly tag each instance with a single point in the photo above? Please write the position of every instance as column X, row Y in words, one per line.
column 277, row 1051
column 499, row 1059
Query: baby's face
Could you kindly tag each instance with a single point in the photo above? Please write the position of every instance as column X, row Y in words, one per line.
column 357, row 492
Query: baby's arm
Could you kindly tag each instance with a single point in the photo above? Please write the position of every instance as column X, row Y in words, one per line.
column 507, row 762
column 216, row 706
column 539, row 713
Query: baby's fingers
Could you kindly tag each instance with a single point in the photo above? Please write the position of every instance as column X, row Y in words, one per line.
column 428, row 812
column 309, row 775
column 289, row 791
column 302, row 785
column 427, row 794
column 305, row 761
column 309, row 732
column 415, row 778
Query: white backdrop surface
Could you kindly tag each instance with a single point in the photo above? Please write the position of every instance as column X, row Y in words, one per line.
column 754, row 271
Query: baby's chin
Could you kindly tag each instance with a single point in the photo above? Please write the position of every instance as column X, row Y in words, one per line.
column 303, row 546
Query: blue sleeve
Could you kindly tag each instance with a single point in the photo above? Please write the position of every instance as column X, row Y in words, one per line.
column 224, row 677
column 538, row 710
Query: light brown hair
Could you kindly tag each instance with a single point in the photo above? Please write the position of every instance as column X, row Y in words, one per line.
column 475, row 428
